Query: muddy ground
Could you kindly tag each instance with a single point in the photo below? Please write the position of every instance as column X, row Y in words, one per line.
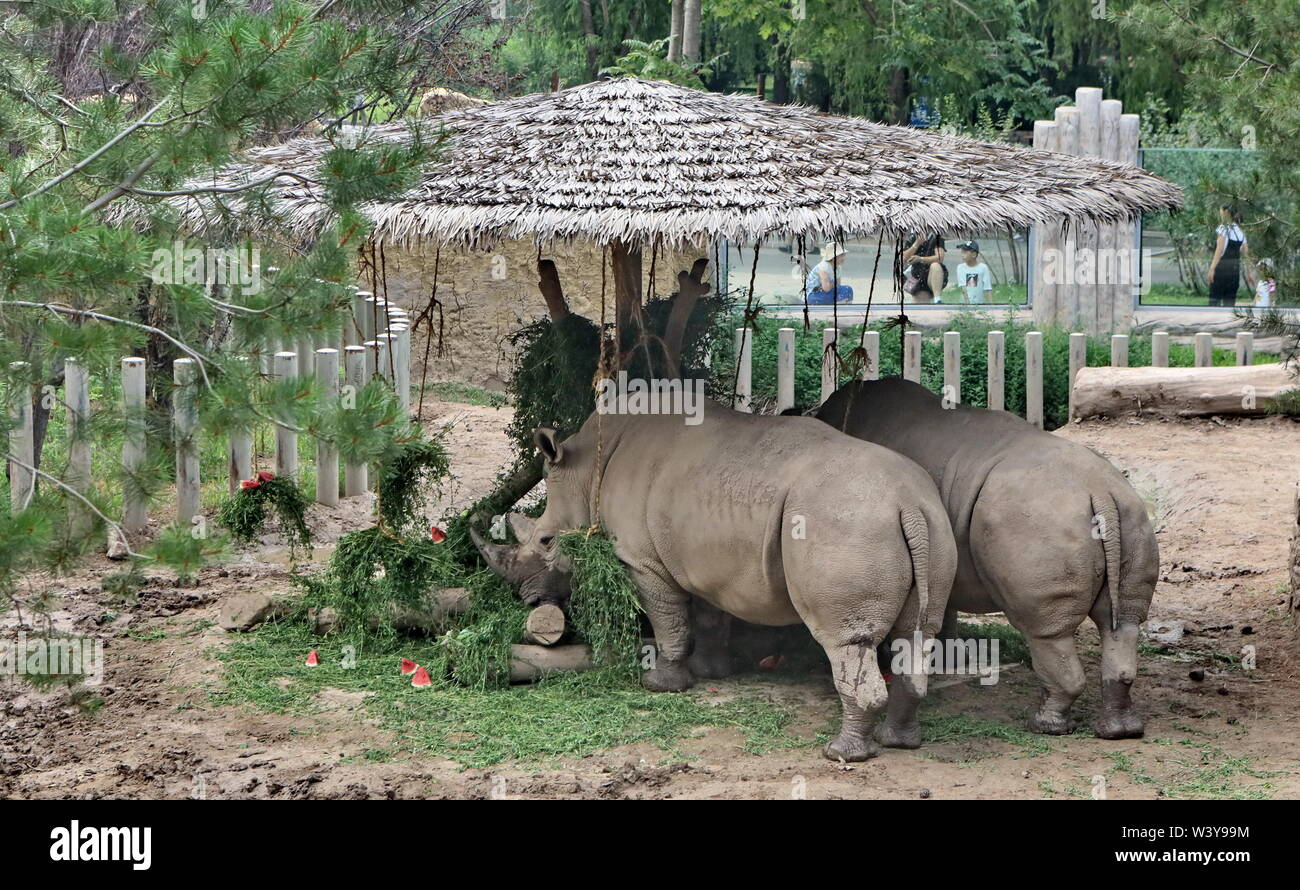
column 1221, row 492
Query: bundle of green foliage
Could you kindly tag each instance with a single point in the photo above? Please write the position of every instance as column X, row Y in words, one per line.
column 244, row 513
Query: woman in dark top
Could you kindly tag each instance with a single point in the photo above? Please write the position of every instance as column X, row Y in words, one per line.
column 1230, row 250
column 925, row 261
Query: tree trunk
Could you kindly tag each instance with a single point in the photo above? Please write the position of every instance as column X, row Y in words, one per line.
column 675, row 35
column 781, row 74
column 691, row 31
column 1179, row 392
column 899, row 90
column 626, row 261
column 690, row 287
column 589, row 29
column 529, row 663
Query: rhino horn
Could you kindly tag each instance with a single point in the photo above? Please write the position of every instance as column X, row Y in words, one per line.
column 500, row 558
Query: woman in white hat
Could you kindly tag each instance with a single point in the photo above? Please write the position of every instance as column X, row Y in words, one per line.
column 821, row 288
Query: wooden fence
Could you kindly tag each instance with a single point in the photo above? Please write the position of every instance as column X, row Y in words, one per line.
column 375, row 343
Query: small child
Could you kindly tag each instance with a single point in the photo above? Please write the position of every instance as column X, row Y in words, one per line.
column 1265, row 283
column 973, row 274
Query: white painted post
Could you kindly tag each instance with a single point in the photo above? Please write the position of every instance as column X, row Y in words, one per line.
column 76, row 391
column 1160, row 349
column 370, row 321
column 22, row 438
column 912, row 356
column 1245, row 348
column 997, row 381
column 1119, row 351
column 871, row 342
column 355, row 475
column 952, row 368
column 355, row 327
column 830, row 367
column 305, row 347
column 1204, row 350
column 745, row 364
column 327, row 454
column 134, row 443
column 386, row 358
column 239, row 463
column 185, row 422
column 1034, row 378
column 784, row 369
column 286, row 440
column 1078, row 359
column 402, row 364
column 372, row 358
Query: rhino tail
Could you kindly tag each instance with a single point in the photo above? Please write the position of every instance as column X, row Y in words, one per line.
column 1105, row 525
column 916, row 531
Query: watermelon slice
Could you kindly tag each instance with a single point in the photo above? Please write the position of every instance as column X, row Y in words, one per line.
column 408, row 667
column 312, row 659
column 421, row 678
column 250, row 483
column 437, row 534
column 265, row 476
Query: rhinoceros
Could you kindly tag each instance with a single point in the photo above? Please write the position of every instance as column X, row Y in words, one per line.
column 775, row 520
column 1047, row 530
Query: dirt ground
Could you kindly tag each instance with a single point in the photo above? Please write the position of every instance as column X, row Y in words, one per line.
column 1221, row 493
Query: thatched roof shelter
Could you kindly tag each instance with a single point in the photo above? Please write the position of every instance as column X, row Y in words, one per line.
column 645, row 162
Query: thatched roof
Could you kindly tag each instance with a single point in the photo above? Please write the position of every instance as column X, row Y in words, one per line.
column 646, row 161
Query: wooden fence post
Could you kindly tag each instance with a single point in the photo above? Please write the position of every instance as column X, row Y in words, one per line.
column 1204, row 350
column 355, row 475
column 871, row 342
column 1160, row 349
column 951, row 368
column 1245, row 348
column 403, row 365
column 1078, row 359
column 134, row 443
column 327, row 453
column 185, row 422
column 22, row 439
column 76, row 392
column 912, row 356
column 784, row 369
column 829, row 363
column 997, row 380
column 745, row 366
column 286, row 440
column 1119, row 351
column 1034, row 378
column 240, row 453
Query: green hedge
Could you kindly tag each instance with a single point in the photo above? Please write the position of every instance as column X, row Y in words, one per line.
column 973, row 327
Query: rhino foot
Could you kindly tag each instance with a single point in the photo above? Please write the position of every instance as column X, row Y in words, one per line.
column 1120, row 725
column 1052, row 723
column 668, row 678
column 850, row 747
column 711, row 665
column 899, row 736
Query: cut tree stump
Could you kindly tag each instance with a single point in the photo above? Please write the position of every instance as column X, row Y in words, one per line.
column 529, row 663
column 1179, row 392
column 545, row 625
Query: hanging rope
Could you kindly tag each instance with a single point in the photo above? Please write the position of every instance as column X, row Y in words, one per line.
column 746, row 322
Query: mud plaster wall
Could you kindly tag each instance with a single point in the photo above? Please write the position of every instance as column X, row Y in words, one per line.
column 487, row 295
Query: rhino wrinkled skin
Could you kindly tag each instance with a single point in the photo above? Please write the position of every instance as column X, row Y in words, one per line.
column 1047, row 531
column 775, row 520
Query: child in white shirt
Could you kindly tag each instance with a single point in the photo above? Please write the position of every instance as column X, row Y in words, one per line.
column 973, row 275
column 1265, row 283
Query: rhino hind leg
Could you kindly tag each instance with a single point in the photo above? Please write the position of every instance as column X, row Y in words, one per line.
column 862, row 694
column 1056, row 662
column 901, row 728
column 1118, row 719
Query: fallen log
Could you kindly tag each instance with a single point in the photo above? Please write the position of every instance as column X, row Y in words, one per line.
column 1179, row 392
column 529, row 663
column 545, row 625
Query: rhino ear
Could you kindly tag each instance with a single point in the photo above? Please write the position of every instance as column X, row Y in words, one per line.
column 544, row 438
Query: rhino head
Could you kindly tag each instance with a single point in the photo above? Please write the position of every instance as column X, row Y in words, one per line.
column 534, row 565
